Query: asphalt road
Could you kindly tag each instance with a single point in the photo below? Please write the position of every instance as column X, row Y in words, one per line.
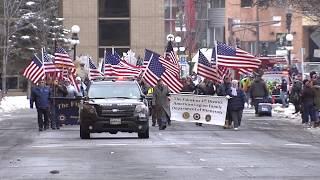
column 263, row 148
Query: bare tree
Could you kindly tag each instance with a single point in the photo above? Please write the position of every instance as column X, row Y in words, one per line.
column 26, row 26
column 309, row 8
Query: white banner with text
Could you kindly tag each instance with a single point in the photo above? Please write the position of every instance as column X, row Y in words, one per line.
column 198, row 108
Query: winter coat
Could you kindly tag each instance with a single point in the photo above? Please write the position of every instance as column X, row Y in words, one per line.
column 161, row 101
column 259, row 89
column 40, row 96
column 307, row 97
column 295, row 95
column 188, row 88
column 59, row 91
column 223, row 89
column 236, row 103
column 316, row 90
column 72, row 92
column 205, row 89
column 284, row 85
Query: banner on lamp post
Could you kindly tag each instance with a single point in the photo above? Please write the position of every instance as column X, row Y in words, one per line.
column 198, row 108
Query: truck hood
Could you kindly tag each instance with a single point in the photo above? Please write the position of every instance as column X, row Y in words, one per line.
column 118, row 101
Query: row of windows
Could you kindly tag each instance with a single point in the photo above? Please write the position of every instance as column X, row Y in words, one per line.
column 112, row 31
column 114, row 8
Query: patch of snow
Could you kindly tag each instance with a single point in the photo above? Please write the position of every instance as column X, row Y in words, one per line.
column 13, row 103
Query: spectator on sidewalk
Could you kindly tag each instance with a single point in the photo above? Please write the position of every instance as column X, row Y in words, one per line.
column 283, row 92
column 316, row 89
column 295, row 95
column 307, row 100
column 40, row 96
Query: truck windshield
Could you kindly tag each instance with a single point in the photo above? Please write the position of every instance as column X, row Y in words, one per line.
column 114, row 91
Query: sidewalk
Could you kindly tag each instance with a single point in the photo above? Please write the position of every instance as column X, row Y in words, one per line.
column 286, row 113
column 13, row 103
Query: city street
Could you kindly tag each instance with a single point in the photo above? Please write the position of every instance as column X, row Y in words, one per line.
column 263, row 148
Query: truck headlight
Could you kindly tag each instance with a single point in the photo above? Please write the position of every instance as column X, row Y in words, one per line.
column 141, row 111
column 89, row 108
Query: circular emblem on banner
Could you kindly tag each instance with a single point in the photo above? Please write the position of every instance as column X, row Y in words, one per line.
column 208, row 117
column 196, row 116
column 62, row 117
column 186, row 115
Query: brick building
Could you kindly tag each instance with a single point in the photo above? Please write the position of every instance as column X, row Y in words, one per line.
column 121, row 24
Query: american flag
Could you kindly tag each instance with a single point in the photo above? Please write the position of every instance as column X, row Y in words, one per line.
column 156, row 70
column 235, row 58
column 93, row 70
column 114, row 66
column 48, row 65
column 170, row 61
column 207, row 69
column 221, row 70
column 62, row 58
column 34, row 71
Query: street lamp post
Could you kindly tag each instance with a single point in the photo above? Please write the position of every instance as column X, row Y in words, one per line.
column 75, row 29
column 289, row 36
column 289, row 47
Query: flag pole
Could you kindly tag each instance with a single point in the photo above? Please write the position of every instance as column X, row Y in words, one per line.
column 216, row 53
column 146, row 68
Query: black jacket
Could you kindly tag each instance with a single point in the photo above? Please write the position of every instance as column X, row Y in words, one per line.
column 259, row 89
column 307, row 96
column 236, row 103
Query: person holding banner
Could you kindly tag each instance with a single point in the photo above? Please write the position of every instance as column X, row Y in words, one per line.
column 222, row 90
column 236, row 103
column 162, row 104
column 57, row 90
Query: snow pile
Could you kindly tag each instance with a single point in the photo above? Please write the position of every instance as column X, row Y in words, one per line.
column 12, row 103
column 284, row 112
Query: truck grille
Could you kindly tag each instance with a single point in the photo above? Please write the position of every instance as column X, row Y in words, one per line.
column 115, row 111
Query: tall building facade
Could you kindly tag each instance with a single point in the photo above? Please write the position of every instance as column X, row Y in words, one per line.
column 123, row 25
column 140, row 24
column 243, row 18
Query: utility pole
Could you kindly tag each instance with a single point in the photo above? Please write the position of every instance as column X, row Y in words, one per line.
column 257, row 31
column 5, row 49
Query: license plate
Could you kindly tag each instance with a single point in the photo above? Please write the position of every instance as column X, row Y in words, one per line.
column 115, row 121
column 264, row 109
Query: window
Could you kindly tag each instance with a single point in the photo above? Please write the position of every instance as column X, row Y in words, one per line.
column 114, row 8
column 114, row 33
column 218, row 3
column 246, row 3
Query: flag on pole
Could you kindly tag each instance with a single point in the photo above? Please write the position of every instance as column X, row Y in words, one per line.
column 93, row 70
column 114, row 66
column 206, row 69
column 221, row 70
column 48, row 65
column 170, row 62
column 34, row 71
column 156, row 70
column 62, row 58
column 235, row 58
